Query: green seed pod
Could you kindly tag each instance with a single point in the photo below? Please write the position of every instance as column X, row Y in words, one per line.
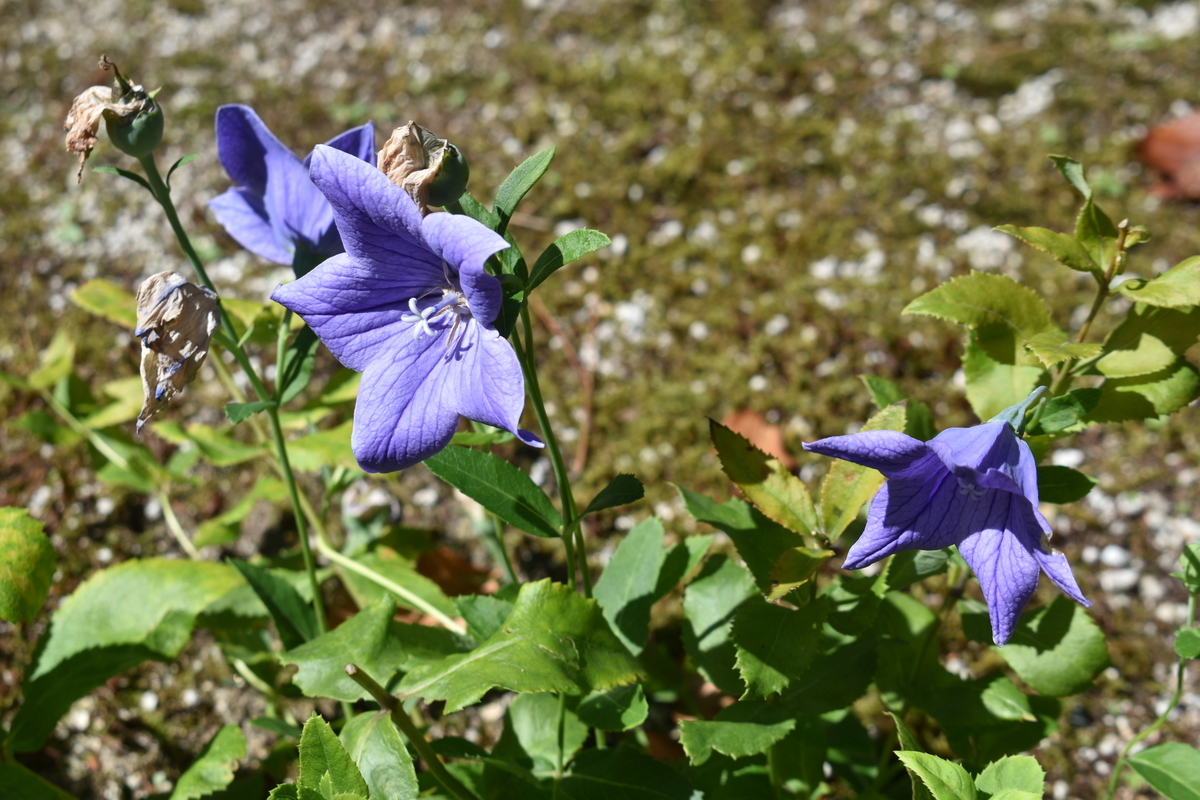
column 451, row 180
column 141, row 135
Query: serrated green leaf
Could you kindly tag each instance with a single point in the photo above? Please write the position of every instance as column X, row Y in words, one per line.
column 775, row 644
column 1065, row 249
column 499, row 487
column 567, row 248
column 847, row 487
column 97, row 632
column 760, row 541
column 1063, row 413
column 107, row 300
column 745, row 728
column 993, row 386
column 484, row 614
column 26, row 565
column 1178, row 287
column 623, row 773
column 296, row 367
column 906, row 741
column 519, row 182
column 294, row 619
column 1058, row 484
column 765, row 481
column 1054, row 347
column 980, row 299
column 321, row 754
column 1020, row 773
column 944, row 779
column 796, row 567
column 1187, row 643
column 213, row 769
column 626, row 589
column 56, row 361
column 835, row 680
column 1057, row 649
column 855, row 602
column 618, row 709
column 381, row 756
column 1172, row 768
column 240, row 412
column 398, row 570
column 1148, row 354
column 22, row 784
column 1178, row 329
column 369, row 639
column 1147, row 396
column 620, row 491
column 709, row 605
column 554, row 641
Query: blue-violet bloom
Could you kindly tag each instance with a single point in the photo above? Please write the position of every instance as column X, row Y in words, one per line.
column 410, row 306
column 275, row 211
column 971, row 487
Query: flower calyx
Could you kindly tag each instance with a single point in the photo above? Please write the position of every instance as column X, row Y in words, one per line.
column 132, row 118
column 431, row 170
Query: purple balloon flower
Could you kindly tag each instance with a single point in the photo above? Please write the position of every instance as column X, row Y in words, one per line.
column 276, row 212
column 971, row 487
column 410, row 306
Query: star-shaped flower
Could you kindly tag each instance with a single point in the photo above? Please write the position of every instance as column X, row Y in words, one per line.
column 275, row 211
column 971, row 487
column 410, row 306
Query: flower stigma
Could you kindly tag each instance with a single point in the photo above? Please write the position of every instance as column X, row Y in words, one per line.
column 452, row 301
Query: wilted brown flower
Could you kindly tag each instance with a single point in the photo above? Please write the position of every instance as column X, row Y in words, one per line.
column 175, row 322
column 430, row 169
column 120, row 105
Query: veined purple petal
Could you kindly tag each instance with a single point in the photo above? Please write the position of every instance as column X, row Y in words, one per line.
column 243, row 217
column 358, row 142
column 379, row 223
column 1057, row 568
column 916, row 513
column 466, row 245
column 243, row 143
column 889, row 452
column 1000, row 551
column 491, row 388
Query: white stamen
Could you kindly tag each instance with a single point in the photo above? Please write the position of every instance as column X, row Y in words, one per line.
column 966, row 487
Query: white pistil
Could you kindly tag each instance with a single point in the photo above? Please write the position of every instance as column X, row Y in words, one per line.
column 451, row 301
column 967, row 488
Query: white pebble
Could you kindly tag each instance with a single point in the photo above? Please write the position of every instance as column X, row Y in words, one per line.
column 1113, row 555
column 148, row 701
column 1118, row 580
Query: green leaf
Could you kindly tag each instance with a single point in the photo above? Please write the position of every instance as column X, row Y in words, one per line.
column 381, row 756
column 616, row 709
column 328, row 448
column 484, row 614
column 321, row 754
column 519, row 182
column 124, row 173
column 294, row 619
column 1021, row 773
column 1148, row 354
column 623, row 773
column 745, row 728
column 981, row 299
column 1177, row 329
column 626, row 589
column 1058, row 650
column 848, row 486
column 554, row 641
column 107, row 300
column 296, row 367
column 796, row 567
column 835, row 680
column 910, row 566
column 1072, row 170
column 21, row 784
column 276, row 725
column 213, row 770
column 240, row 412
column 97, row 632
column 620, row 491
column 532, row 719
column 776, row 644
column 474, row 439
column 1058, row 484
column 226, row 527
column 944, row 779
column 26, row 565
column 1172, row 768
column 499, row 487
column 709, row 605
column 1054, row 347
column 1178, row 287
column 855, row 602
column 189, row 158
column 1187, row 643
column 363, row 640
column 1093, row 229
column 216, row 446
column 908, row 742
column 1147, row 396
column 470, row 207
column 765, row 481
column 992, row 385
column 1065, row 249
column 1189, row 559
column 918, row 422
column 760, row 541
column 127, row 395
column 56, row 361
column 567, row 248
column 398, row 570
column 1065, row 412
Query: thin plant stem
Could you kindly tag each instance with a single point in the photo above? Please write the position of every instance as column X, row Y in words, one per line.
column 174, row 527
column 230, row 341
column 1180, row 671
column 402, row 721
column 562, row 731
column 497, row 535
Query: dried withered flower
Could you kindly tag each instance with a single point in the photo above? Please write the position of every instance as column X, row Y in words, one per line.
column 175, row 322
column 1172, row 149
column 132, row 118
column 431, row 170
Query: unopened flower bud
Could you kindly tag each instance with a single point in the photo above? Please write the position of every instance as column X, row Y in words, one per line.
column 431, row 170
column 133, row 120
column 175, row 322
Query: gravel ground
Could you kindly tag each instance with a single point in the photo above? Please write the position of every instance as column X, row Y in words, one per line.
column 780, row 180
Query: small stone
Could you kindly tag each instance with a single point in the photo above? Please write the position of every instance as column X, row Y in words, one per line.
column 1119, row 580
column 1113, row 555
column 148, row 701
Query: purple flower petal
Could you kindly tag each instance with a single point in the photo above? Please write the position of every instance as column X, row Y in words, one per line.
column 243, row 143
column 358, row 142
column 1000, row 554
column 491, row 387
column 243, row 217
column 461, row 240
column 887, row 451
column 1057, row 568
column 911, row 514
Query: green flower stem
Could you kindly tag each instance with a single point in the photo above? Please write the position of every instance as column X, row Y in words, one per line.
column 497, row 537
column 1122, row 762
column 230, row 341
column 402, row 721
column 528, row 366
